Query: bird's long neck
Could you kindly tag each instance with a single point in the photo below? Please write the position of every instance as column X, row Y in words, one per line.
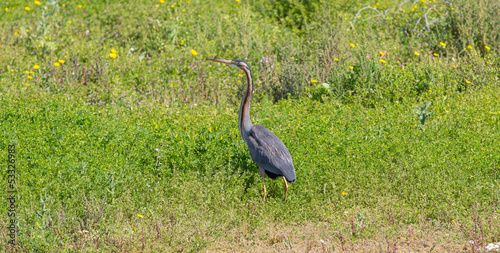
column 244, row 116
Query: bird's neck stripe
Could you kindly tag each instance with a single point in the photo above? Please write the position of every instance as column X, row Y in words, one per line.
column 244, row 117
column 249, row 78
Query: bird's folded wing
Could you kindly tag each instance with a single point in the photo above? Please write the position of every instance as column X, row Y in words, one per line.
column 270, row 153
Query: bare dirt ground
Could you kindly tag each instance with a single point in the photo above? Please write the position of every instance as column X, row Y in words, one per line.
column 321, row 238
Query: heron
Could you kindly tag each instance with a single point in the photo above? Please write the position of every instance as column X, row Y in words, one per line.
column 266, row 149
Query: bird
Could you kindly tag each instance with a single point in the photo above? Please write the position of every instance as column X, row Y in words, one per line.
column 265, row 148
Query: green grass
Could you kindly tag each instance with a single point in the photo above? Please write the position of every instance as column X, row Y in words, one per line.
column 142, row 152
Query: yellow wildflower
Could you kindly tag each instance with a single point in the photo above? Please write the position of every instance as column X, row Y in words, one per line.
column 352, row 45
column 30, row 77
column 56, row 64
column 61, row 61
column 381, row 53
column 113, row 55
column 416, row 53
column 194, row 52
column 336, row 59
column 79, row 6
column 27, row 84
column 313, row 81
column 162, row 1
column 382, row 61
column 69, row 22
column 344, row 193
column 113, row 50
column 37, row 2
column 351, row 67
column 16, row 32
column 436, row 54
column 487, row 47
column 27, row 8
column 469, row 47
column 140, row 216
column 442, row 44
column 36, row 67
column 467, row 81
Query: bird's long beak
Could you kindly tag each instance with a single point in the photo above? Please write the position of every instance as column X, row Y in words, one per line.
column 222, row 61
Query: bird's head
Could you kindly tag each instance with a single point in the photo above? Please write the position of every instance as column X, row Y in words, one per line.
column 233, row 63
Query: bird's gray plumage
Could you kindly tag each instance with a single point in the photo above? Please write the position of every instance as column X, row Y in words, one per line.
column 269, row 152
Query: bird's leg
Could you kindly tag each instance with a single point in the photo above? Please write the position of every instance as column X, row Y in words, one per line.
column 265, row 193
column 286, row 188
column 263, row 173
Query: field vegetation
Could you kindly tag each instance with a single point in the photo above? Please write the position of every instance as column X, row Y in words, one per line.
column 127, row 138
